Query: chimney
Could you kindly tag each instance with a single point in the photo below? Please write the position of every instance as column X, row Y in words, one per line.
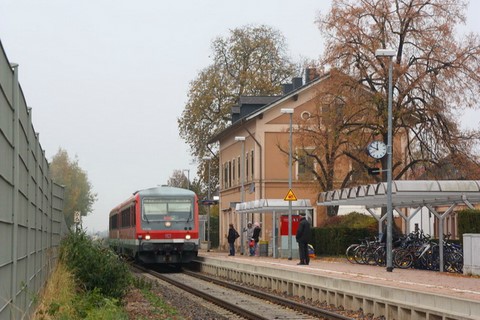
column 287, row 87
column 297, row 82
column 235, row 113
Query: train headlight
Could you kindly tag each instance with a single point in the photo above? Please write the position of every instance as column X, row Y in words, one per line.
column 188, row 237
column 147, row 237
column 168, row 224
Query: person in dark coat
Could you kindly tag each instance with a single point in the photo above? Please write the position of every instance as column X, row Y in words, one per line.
column 302, row 236
column 231, row 237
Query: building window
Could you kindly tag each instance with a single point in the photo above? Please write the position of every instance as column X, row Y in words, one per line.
column 333, row 110
column 246, row 166
column 229, row 173
column 305, row 164
column 239, row 169
column 252, row 164
column 234, row 178
column 225, row 176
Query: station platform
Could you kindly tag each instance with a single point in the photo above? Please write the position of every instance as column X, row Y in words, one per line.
column 402, row 293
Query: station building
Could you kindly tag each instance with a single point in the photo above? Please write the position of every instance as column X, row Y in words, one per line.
column 254, row 159
column 254, row 153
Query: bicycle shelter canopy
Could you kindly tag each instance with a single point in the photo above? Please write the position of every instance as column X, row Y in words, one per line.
column 408, row 194
column 405, row 193
column 272, row 206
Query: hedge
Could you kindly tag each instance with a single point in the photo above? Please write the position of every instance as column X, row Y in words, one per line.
column 335, row 241
column 468, row 222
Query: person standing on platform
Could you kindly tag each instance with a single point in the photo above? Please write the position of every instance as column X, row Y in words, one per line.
column 249, row 236
column 302, row 236
column 231, row 237
column 256, row 237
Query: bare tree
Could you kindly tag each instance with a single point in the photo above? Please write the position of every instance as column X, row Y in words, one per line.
column 435, row 73
column 334, row 133
column 252, row 60
column 178, row 179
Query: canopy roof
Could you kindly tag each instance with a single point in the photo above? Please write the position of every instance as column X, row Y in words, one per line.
column 405, row 193
column 271, row 205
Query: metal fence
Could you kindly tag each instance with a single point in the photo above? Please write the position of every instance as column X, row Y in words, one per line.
column 31, row 219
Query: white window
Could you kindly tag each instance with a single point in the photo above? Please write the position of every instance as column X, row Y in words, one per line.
column 305, row 163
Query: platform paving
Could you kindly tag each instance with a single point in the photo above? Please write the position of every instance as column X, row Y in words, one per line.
column 447, row 286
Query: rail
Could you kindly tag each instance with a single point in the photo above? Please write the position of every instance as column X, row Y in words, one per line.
column 269, row 304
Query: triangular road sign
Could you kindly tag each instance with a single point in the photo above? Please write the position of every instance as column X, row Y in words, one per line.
column 290, row 196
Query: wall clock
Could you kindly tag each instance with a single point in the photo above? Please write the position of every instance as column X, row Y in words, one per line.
column 377, row 149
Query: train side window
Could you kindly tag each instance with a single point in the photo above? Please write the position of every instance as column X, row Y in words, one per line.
column 114, row 222
column 132, row 215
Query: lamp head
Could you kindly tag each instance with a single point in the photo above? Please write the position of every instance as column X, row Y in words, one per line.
column 384, row 53
column 286, row 110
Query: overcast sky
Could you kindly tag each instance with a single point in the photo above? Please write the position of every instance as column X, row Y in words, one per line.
column 107, row 79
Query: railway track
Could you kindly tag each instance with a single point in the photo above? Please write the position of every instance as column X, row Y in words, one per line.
column 245, row 302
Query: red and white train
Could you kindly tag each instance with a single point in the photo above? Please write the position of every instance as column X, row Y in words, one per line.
column 157, row 226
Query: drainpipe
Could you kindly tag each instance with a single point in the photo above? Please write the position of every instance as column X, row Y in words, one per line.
column 260, row 159
column 260, row 170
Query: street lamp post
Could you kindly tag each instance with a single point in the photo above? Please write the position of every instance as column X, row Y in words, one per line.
column 290, row 112
column 390, row 54
column 242, row 190
column 188, row 177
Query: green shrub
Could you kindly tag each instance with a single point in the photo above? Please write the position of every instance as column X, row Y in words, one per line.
column 338, row 232
column 94, row 305
column 334, row 241
column 353, row 220
column 64, row 299
column 94, row 266
column 468, row 221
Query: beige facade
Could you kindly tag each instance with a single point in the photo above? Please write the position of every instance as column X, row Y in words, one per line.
column 266, row 175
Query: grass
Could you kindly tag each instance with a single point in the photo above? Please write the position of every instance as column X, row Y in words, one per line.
column 91, row 282
column 62, row 300
column 57, row 296
column 88, row 283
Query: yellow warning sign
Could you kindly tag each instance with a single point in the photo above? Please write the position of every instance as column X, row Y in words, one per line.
column 290, row 196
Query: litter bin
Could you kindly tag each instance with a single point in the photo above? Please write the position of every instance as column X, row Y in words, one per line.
column 263, row 252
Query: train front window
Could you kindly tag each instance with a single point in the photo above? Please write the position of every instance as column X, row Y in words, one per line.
column 167, row 210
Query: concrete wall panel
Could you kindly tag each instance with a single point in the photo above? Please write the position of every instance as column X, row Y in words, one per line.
column 22, row 242
column 6, row 75
column 5, row 238
column 22, row 210
column 5, row 290
column 31, row 225
column 6, row 201
column 6, row 125
column 6, row 160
